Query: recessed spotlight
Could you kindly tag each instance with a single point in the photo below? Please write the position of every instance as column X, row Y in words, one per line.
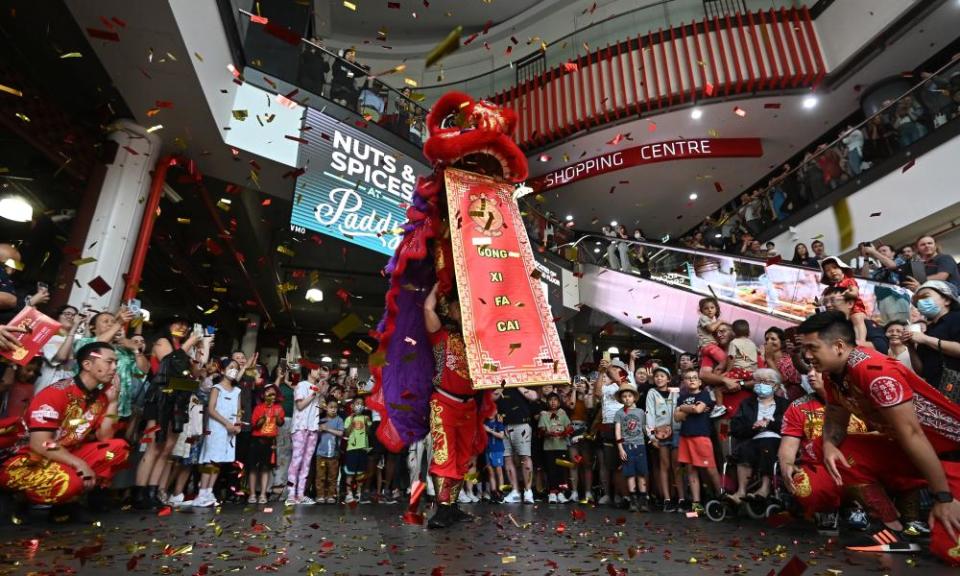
column 596, row 250
column 693, row 196
column 718, row 235
column 226, row 201
column 326, row 359
column 326, row 340
column 569, row 217
column 696, row 113
column 613, row 222
column 16, row 208
column 810, row 102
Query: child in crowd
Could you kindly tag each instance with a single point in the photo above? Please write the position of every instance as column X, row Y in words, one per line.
column 495, row 435
column 836, row 273
column 219, row 447
column 742, row 361
column 579, row 401
column 357, row 427
column 631, row 444
column 262, row 453
column 328, row 453
column 708, row 322
column 304, row 433
column 190, row 442
column 555, row 427
column 696, row 449
column 664, row 436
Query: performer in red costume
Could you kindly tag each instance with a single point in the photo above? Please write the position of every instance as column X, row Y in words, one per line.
column 456, row 415
column 70, row 447
column 422, row 385
column 921, row 427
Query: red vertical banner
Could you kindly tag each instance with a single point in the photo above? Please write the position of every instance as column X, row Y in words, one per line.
column 508, row 330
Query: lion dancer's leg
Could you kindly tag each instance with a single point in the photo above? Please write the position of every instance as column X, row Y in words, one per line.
column 44, row 481
column 452, row 427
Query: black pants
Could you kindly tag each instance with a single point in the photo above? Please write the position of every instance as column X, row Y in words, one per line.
column 556, row 474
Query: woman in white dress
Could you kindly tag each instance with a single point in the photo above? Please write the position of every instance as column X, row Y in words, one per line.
column 219, row 447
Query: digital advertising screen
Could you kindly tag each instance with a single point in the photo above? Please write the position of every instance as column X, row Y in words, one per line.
column 355, row 187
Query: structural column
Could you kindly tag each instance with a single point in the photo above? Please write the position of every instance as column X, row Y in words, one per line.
column 109, row 244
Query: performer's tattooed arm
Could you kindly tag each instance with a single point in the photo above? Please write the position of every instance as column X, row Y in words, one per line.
column 835, row 422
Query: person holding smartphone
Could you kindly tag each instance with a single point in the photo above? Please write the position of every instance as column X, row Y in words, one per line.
column 10, row 302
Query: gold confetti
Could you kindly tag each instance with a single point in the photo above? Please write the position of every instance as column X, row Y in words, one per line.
column 364, row 346
column 71, row 55
column 448, row 46
column 10, row 90
column 183, row 220
column 349, row 5
column 240, row 115
column 83, row 261
column 285, row 251
column 154, row 128
column 410, row 82
column 508, row 559
column 23, row 117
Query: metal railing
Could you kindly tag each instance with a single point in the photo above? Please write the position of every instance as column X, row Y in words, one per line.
column 281, row 53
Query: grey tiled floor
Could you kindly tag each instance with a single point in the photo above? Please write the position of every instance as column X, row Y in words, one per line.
column 505, row 539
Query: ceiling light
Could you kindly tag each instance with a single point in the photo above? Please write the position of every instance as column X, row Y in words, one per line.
column 16, row 208
column 569, row 217
column 326, row 340
column 696, row 113
column 226, row 201
column 326, row 359
column 810, row 102
column 314, row 295
column 596, row 250
column 613, row 350
column 693, row 196
column 613, row 222
column 718, row 235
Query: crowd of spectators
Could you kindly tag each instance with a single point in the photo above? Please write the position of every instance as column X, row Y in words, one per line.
column 859, row 146
column 350, row 84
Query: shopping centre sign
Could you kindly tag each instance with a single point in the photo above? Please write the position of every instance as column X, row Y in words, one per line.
column 355, row 187
column 648, row 154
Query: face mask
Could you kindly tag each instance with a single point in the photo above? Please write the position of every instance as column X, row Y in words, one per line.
column 763, row 389
column 928, row 307
column 231, row 373
column 637, row 235
column 805, row 384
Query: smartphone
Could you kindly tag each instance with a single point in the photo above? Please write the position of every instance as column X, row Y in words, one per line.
column 198, row 330
column 133, row 305
column 914, row 328
column 42, row 286
column 606, row 357
column 352, row 372
column 918, row 271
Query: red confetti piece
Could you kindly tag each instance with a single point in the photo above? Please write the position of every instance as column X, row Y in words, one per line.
column 578, row 514
column 296, row 139
column 652, row 127
column 487, row 25
column 258, row 19
column 131, row 151
column 119, row 22
column 616, row 140
column 708, row 89
column 327, row 545
column 163, row 104
column 471, row 38
column 393, row 5
column 772, row 106
column 266, row 202
column 908, row 165
column 285, row 34
column 99, row 285
column 795, row 567
column 570, row 67
column 165, row 511
column 718, row 186
column 107, row 35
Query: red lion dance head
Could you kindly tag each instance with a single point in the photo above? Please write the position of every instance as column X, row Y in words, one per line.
column 465, row 134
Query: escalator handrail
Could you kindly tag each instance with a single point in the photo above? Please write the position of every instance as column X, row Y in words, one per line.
column 704, row 254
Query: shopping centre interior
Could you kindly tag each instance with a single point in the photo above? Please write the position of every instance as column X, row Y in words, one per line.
column 261, row 171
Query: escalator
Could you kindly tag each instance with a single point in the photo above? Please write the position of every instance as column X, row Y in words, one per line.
column 658, row 292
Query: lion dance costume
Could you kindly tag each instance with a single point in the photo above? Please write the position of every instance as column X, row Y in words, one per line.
column 421, row 387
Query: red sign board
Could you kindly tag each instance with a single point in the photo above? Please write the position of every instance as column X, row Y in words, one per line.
column 649, row 154
column 508, row 330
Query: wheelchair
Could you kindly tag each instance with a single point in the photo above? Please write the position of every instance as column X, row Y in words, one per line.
column 720, row 508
